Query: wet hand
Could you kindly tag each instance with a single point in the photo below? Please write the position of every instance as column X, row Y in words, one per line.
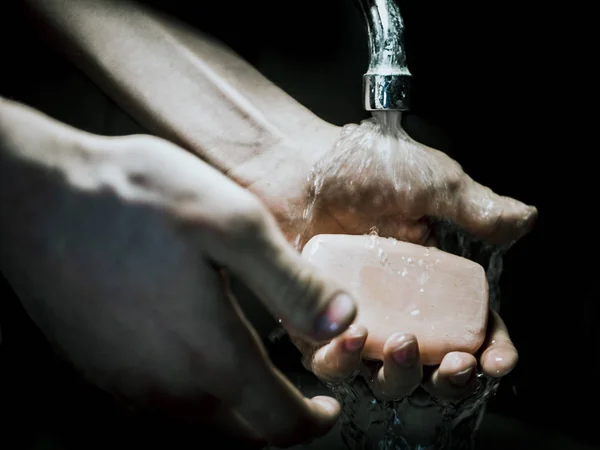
column 351, row 179
column 379, row 176
column 117, row 246
column 454, row 379
column 401, row 371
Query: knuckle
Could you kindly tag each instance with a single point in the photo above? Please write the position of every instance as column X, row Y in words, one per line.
column 454, row 180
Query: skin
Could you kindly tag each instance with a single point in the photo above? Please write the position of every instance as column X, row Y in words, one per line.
column 198, row 94
column 448, row 193
column 116, row 248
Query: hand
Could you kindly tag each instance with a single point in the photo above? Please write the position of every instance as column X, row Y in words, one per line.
column 421, row 415
column 360, row 177
column 114, row 246
column 389, row 181
column 401, row 372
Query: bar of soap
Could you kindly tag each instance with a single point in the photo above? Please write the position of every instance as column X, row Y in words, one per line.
column 402, row 287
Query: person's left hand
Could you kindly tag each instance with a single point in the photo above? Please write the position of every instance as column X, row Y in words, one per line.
column 401, row 371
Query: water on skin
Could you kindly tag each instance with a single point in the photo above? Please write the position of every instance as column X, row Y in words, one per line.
column 368, row 424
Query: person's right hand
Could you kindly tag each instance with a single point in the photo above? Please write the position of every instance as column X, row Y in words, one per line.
column 115, row 247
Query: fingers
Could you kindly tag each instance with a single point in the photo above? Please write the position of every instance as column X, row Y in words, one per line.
column 341, row 358
column 455, row 378
column 232, row 365
column 499, row 355
column 289, row 286
column 233, row 229
column 401, row 372
column 260, row 397
column 494, row 218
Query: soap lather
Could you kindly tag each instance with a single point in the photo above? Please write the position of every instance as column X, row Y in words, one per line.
column 401, row 287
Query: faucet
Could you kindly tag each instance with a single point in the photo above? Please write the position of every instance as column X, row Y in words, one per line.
column 386, row 83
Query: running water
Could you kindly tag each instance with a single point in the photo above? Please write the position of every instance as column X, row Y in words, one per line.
column 379, row 149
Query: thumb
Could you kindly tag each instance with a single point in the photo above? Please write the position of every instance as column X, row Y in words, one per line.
column 494, row 218
column 289, row 286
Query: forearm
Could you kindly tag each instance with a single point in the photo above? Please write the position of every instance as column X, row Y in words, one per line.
column 176, row 82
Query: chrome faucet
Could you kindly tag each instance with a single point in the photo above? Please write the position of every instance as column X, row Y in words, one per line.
column 386, row 83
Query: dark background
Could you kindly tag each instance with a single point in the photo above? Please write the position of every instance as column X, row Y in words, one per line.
column 492, row 86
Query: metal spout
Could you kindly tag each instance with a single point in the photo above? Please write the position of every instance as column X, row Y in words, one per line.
column 386, row 83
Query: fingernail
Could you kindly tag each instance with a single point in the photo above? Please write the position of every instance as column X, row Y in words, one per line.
column 338, row 314
column 461, row 379
column 498, row 364
column 355, row 339
column 406, row 354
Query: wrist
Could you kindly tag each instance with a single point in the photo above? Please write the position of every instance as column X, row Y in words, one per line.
column 293, row 155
